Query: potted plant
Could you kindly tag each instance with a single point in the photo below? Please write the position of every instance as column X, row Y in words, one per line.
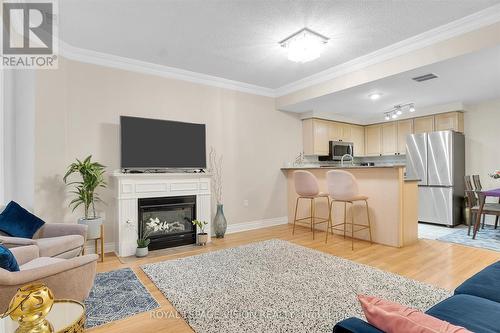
column 143, row 239
column 142, row 246
column 92, row 177
column 202, row 235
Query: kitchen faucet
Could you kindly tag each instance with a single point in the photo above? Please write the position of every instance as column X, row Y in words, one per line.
column 342, row 159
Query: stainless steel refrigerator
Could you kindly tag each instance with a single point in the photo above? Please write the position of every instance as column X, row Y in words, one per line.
column 438, row 160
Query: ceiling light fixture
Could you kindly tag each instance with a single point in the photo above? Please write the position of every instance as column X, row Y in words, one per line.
column 304, row 45
column 375, row 96
column 397, row 110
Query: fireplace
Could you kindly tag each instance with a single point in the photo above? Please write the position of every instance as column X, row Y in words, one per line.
column 175, row 214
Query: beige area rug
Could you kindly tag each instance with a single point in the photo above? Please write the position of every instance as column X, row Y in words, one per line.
column 277, row 286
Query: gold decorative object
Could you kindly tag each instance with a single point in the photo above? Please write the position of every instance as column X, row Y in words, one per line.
column 30, row 306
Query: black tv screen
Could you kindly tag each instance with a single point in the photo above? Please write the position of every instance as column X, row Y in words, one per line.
column 156, row 144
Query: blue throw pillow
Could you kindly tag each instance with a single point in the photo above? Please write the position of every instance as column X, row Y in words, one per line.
column 16, row 221
column 7, row 260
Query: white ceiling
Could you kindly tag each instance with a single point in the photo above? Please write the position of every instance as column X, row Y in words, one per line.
column 238, row 40
column 467, row 79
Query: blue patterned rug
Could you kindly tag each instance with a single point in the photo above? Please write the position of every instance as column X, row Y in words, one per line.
column 487, row 238
column 117, row 295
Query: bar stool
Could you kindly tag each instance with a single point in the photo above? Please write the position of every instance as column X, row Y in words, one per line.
column 343, row 187
column 306, row 187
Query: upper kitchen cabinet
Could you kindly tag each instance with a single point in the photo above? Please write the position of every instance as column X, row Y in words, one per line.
column 423, row 124
column 373, row 140
column 449, row 121
column 315, row 136
column 389, row 138
column 405, row 127
column 358, row 139
column 339, row 131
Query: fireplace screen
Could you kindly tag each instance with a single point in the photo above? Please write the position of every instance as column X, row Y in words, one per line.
column 168, row 221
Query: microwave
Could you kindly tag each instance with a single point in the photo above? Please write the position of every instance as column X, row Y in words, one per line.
column 337, row 149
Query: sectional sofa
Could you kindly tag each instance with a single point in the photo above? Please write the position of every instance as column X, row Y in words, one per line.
column 475, row 305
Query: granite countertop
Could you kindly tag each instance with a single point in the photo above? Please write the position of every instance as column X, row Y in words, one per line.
column 412, row 179
column 345, row 167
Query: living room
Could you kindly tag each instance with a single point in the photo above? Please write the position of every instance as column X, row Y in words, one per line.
column 219, row 166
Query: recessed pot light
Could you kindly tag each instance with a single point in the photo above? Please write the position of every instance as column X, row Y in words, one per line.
column 375, row 96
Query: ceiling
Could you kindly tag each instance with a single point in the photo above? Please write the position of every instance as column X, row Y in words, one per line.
column 238, row 40
column 466, row 79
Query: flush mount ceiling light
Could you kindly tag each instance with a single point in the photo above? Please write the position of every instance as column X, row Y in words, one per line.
column 397, row 110
column 304, row 45
column 375, row 96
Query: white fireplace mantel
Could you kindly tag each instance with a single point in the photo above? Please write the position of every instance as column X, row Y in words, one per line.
column 132, row 186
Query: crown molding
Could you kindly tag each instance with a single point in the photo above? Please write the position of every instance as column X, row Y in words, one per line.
column 455, row 28
column 109, row 60
column 463, row 25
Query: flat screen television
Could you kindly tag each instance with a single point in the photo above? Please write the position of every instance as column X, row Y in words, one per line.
column 161, row 144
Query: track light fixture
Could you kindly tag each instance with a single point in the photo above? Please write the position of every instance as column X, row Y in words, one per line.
column 398, row 110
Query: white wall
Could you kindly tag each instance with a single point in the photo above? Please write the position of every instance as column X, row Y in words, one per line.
column 77, row 114
column 482, row 141
column 18, row 137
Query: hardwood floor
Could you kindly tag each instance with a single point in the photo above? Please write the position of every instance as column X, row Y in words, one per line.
column 441, row 264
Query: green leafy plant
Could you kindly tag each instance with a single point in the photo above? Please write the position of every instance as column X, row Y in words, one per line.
column 143, row 242
column 92, row 177
column 153, row 225
column 201, row 225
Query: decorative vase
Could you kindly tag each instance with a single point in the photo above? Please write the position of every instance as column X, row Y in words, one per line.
column 220, row 223
column 93, row 227
column 202, row 239
column 141, row 252
column 30, row 306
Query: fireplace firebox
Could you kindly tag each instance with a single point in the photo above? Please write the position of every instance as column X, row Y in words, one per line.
column 175, row 215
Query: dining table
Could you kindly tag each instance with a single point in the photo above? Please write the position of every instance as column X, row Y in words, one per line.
column 482, row 195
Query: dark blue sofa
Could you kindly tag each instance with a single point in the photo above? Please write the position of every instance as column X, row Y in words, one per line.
column 475, row 305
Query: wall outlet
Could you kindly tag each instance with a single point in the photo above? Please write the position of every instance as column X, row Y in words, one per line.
column 245, row 203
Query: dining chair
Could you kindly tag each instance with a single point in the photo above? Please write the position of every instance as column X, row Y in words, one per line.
column 307, row 188
column 479, row 187
column 473, row 204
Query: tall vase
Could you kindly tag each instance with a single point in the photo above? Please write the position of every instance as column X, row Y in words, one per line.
column 220, row 223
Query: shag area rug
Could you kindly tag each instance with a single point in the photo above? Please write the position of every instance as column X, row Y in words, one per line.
column 487, row 238
column 277, row 286
column 116, row 295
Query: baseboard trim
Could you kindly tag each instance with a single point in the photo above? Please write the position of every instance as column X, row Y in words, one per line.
column 90, row 248
column 258, row 224
column 232, row 228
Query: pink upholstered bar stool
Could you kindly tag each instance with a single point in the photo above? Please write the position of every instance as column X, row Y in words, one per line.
column 306, row 187
column 343, row 187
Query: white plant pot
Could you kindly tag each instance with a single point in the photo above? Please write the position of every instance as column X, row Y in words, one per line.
column 202, row 239
column 141, row 252
column 93, row 227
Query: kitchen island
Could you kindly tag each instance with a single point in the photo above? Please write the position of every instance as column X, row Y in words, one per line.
column 393, row 202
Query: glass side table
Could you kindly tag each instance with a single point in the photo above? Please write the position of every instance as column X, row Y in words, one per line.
column 66, row 316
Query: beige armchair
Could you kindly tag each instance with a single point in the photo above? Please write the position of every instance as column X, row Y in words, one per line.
column 59, row 240
column 67, row 278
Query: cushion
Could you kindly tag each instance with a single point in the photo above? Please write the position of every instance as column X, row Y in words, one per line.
column 477, row 314
column 485, row 284
column 54, row 246
column 396, row 318
column 18, row 222
column 7, row 260
column 353, row 324
column 40, row 262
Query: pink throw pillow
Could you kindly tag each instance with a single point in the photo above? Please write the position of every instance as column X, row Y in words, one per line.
column 395, row 318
